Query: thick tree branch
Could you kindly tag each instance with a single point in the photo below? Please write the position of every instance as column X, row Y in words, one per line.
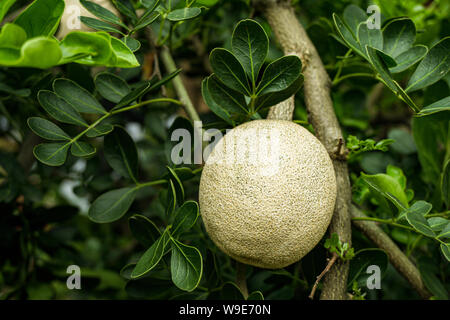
column 293, row 39
column 397, row 258
column 282, row 111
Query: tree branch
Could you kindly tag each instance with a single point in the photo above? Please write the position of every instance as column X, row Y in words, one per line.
column 320, row 276
column 397, row 258
column 182, row 93
column 293, row 39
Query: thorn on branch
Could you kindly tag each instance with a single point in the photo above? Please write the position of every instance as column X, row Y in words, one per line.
column 341, row 152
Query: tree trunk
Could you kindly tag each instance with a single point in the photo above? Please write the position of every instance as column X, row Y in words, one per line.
column 294, row 40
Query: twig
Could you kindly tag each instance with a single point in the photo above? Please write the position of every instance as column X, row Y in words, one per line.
column 182, row 93
column 396, row 256
column 320, row 276
column 293, row 38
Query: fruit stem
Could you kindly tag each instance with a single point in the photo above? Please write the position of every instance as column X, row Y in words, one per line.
column 241, row 278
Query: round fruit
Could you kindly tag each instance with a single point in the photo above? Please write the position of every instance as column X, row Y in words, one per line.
column 267, row 193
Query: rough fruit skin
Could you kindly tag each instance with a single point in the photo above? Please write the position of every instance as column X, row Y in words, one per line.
column 271, row 212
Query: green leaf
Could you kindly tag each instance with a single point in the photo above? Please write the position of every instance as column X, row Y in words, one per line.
column 157, row 285
column 121, row 153
column 216, row 108
column 445, row 233
column 347, row 35
column 206, row 3
column 125, row 272
column 47, row 129
column 445, row 182
column 101, row 12
column 12, row 36
column 99, row 25
column 82, row 149
column 186, row 265
column 437, row 224
column 432, row 68
column 132, row 44
column 112, row 205
column 59, row 109
column 409, row 58
column 111, row 87
column 280, row 75
column 388, row 60
column 418, row 221
column 146, row 20
column 39, row 52
column 418, row 208
column 363, row 259
column 4, row 7
column 184, row 218
column 79, row 98
column 433, row 283
column 255, row 296
column 151, row 257
column 271, row 99
column 41, row 18
column 171, row 198
column 380, row 66
column 425, row 133
column 149, row 4
column 149, row 86
column 91, row 48
column 143, row 229
column 179, row 189
column 397, row 174
column 369, row 37
column 357, row 146
column 438, row 106
column 228, row 291
column 184, row 173
column 445, row 248
column 133, row 95
column 398, row 36
column 232, row 101
column 388, row 187
column 51, row 154
column 353, row 16
column 126, row 8
column 155, row 86
column 19, row 92
column 124, row 58
column 250, row 46
column 229, row 70
column 184, row 14
column 100, row 130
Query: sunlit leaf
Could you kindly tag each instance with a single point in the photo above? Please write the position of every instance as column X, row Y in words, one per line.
column 432, row 68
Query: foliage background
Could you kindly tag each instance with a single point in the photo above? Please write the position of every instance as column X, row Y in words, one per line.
column 44, row 224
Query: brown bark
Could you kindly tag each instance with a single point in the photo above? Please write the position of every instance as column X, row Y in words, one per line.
column 293, row 39
column 396, row 257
